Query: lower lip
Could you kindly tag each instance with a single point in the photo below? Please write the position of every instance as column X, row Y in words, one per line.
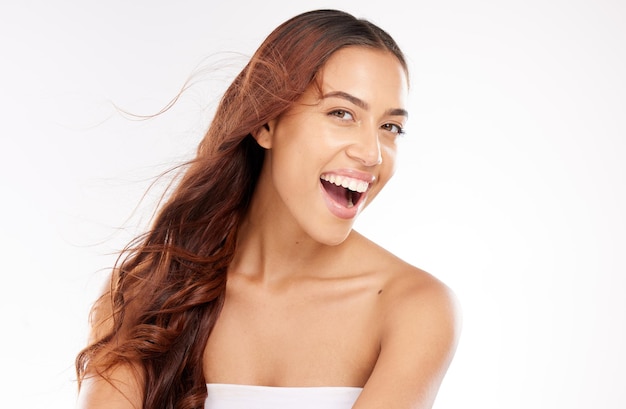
column 338, row 210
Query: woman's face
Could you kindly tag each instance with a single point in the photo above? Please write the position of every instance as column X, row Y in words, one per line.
column 331, row 154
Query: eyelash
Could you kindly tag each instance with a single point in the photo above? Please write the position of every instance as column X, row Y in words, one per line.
column 400, row 130
column 340, row 113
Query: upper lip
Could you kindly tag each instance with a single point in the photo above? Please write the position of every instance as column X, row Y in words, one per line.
column 352, row 173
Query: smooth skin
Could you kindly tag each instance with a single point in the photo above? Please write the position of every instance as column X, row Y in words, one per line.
column 309, row 301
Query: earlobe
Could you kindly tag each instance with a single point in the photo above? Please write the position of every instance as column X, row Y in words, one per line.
column 263, row 136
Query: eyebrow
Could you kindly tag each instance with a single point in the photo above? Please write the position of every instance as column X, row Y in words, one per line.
column 362, row 104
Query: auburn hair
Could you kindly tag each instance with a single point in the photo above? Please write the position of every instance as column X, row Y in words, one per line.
column 168, row 286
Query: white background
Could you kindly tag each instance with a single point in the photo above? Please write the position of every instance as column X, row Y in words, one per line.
column 510, row 185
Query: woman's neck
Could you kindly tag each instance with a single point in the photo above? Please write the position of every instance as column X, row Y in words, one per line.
column 272, row 251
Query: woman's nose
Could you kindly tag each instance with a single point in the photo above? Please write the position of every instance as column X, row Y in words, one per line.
column 366, row 149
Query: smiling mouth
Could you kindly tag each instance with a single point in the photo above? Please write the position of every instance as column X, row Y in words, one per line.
column 343, row 190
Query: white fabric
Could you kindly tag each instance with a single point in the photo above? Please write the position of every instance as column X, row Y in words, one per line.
column 227, row 396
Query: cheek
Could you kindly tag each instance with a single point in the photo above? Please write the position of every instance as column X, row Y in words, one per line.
column 290, row 158
column 293, row 169
column 299, row 152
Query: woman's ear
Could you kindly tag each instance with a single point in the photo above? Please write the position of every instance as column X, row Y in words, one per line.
column 263, row 135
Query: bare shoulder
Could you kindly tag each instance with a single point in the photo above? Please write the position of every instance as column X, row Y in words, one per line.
column 121, row 389
column 412, row 294
column 420, row 326
column 405, row 286
column 412, row 297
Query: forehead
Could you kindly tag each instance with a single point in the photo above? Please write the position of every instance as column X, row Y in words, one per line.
column 370, row 74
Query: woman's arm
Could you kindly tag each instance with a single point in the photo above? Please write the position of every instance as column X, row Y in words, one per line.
column 122, row 390
column 122, row 387
column 421, row 327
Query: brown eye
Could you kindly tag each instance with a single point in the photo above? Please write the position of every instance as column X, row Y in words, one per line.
column 341, row 114
column 393, row 128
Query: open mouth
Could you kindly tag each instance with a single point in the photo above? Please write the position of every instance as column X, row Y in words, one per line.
column 345, row 191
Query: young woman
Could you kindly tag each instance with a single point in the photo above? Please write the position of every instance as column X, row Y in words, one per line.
column 251, row 289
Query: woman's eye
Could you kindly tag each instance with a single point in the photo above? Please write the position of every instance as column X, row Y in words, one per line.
column 341, row 114
column 393, row 128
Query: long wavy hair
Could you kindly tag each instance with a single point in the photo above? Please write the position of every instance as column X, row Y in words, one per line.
column 168, row 285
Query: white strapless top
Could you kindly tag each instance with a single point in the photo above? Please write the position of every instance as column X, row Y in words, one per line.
column 228, row 396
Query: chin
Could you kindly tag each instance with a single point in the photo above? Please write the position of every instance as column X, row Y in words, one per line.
column 332, row 238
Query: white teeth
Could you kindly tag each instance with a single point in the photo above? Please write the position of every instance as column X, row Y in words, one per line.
column 355, row 185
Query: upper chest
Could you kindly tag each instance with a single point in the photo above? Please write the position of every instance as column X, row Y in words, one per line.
column 320, row 332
